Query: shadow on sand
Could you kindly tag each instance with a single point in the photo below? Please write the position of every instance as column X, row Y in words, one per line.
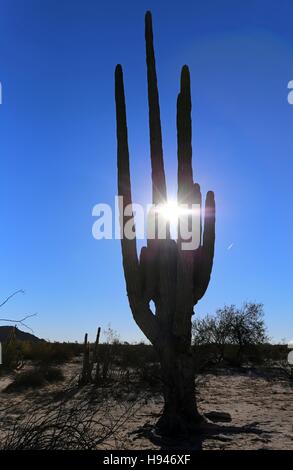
column 214, row 430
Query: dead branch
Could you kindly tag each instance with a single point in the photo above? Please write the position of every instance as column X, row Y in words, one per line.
column 21, row 321
column 20, row 291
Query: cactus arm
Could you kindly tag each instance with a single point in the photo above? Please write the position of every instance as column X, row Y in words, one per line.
column 209, row 224
column 198, row 200
column 204, row 256
column 185, row 175
column 208, row 246
column 158, row 173
column 159, row 189
column 129, row 252
column 186, row 191
column 138, row 304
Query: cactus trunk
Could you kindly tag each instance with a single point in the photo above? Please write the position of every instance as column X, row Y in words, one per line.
column 180, row 415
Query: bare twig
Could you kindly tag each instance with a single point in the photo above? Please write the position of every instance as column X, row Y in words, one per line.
column 21, row 321
column 71, row 425
column 20, row 291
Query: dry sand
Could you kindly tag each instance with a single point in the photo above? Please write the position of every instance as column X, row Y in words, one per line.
column 260, row 408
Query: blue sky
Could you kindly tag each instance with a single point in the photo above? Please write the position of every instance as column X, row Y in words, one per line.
column 58, row 150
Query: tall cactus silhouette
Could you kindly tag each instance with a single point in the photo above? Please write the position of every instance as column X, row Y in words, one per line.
column 173, row 278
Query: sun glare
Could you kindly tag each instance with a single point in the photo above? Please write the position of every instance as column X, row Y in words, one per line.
column 171, row 211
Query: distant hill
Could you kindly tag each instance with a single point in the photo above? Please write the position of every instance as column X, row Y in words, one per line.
column 6, row 331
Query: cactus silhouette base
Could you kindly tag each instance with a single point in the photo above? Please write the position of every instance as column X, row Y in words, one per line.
column 180, row 415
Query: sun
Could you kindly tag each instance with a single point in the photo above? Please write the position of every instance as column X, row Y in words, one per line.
column 170, row 211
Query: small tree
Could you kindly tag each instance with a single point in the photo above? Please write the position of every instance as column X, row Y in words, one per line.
column 242, row 327
column 248, row 327
column 212, row 330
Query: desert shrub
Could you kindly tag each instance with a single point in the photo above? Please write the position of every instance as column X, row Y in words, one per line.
column 43, row 353
column 52, row 374
column 205, row 356
column 107, row 354
column 256, row 354
column 35, row 378
column 29, row 379
column 140, row 360
column 235, row 333
column 135, row 355
column 12, row 355
column 50, row 353
column 275, row 352
column 120, row 361
column 150, row 374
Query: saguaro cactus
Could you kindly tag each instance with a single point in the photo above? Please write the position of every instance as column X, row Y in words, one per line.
column 173, row 278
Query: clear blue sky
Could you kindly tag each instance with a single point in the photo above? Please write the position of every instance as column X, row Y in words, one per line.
column 58, row 150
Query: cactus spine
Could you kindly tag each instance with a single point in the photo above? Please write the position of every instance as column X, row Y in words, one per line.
column 173, row 278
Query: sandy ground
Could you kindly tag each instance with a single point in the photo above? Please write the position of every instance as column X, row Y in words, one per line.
column 259, row 408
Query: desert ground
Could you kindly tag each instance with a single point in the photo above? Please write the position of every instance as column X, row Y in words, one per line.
column 246, row 409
